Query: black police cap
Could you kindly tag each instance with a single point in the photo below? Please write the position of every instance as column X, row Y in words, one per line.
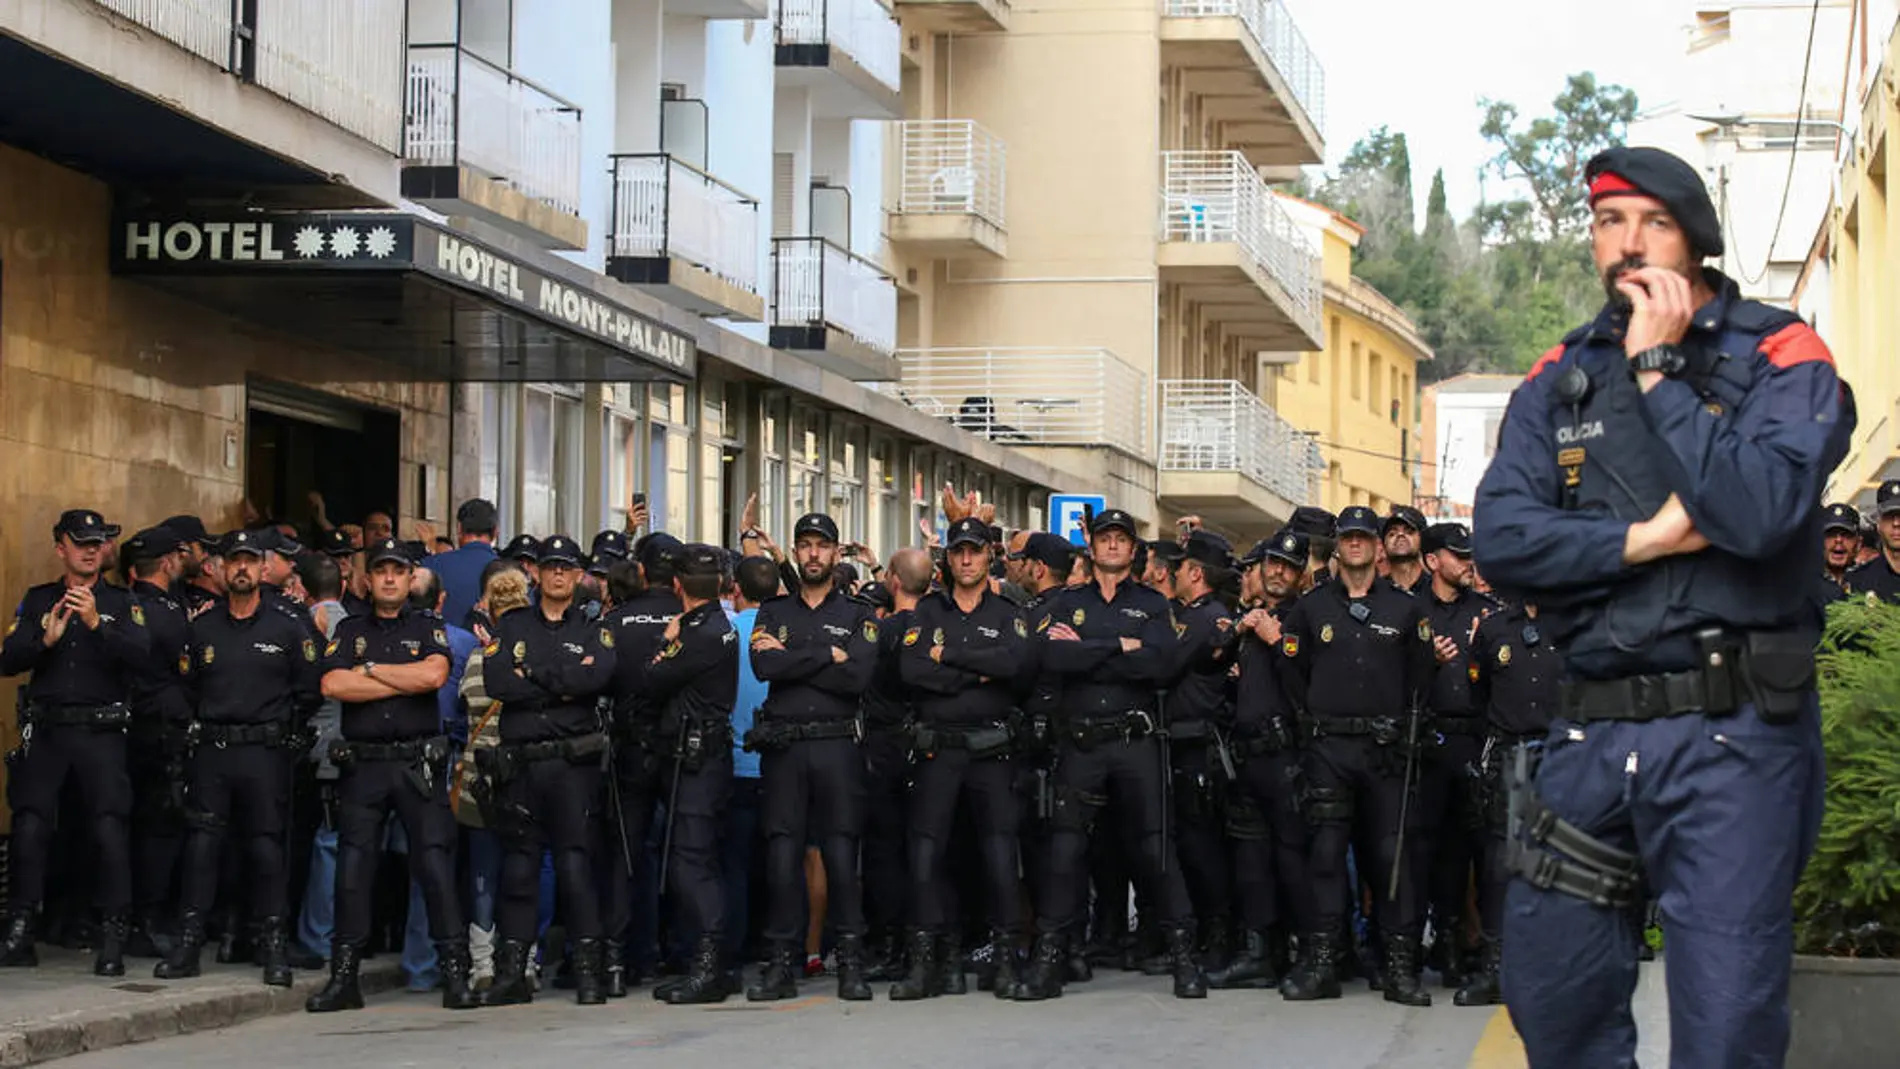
column 560, row 550
column 968, row 531
column 1206, row 547
column 877, row 596
column 1359, row 519
column 1406, row 515
column 1887, row 498
column 336, row 543
column 149, row 544
column 1049, row 549
column 699, row 559
column 1841, row 518
column 389, row 549
column 816, row 523
column 84, row 526
column 1290, row 546
column 1654, row 173
column 1167, row 550
column 657, row 548
column 1449, row 537
column 522, row 547
column 1313, row 521
column 190, row 529
column 238, row 543
column 610, row 544
column 1110, row 519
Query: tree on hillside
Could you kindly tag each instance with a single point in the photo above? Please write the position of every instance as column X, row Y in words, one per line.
column 1548, row 154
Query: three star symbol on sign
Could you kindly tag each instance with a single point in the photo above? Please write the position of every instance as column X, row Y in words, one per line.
column 343, row 242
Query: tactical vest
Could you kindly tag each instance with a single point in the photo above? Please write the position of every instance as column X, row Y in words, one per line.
column 1611, row 462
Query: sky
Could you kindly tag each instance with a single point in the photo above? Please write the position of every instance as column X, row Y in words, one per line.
column 1420, row 69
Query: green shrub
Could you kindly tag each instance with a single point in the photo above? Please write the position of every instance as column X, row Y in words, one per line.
column 1848, row 902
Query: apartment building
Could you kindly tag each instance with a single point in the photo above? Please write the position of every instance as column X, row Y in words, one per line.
column 1088, row 258
column 1459, row 419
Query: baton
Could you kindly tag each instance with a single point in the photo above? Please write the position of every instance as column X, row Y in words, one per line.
column 672, row 804
column 1405, row 805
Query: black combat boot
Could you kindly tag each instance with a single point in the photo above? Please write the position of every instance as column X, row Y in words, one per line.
column 233, row 947
column 1082, row 959
column 1317, row 976
column 925, row 975
column 183, row 960
column 1443, row 960
column 109, row 958
column 1401, row 972
column 1189, row 980
column 852, row 986
column 779, row 978
column 1482, row 987
column 1151, row 956
column 884, row 957
column 588, row 988
column 511, row 986
column 147, row 940
column 950, row 966
column 1047, row 965
column 455, row 964
column 1217, row 944
column 1252, row 967
column 342, row 992
column 705, row 982
column 613, row 967
column 1007, row 980
column 273, row 944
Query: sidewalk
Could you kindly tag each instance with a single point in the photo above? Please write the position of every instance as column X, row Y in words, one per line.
column 61, row 1009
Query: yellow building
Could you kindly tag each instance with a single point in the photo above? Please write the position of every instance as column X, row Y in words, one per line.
column 1861, row 277
column 1358, row 397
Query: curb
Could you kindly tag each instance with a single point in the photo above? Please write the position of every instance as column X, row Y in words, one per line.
column 175, row 1014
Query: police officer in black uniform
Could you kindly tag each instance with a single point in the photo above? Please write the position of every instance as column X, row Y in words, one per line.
column 1515, row 669
column 1363, row 666
column 1840, row 544
column 1320, row 529
column 254, row 677
column 817, row 648
column 385, row 669
column 160, row 737
column 336, row 545
column 202, row 578
column 1402, row 534
column 961, row 655
column 694, row 678
column 84, row 643
column 546, row 665
column 887, row 746
column 1200, row 729
column 1879, row 578
column 1112, row 643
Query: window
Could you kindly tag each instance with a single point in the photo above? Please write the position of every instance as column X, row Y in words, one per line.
column 497, row 416
column 1358, row 372
column 881, row 526
column 669, row 476
column 804, row 493
column 1375, row 375
column 1332, row 351
column 846, row 456
column 772, row 470
column 537, row 464
column 714, row 454
column 1393, row 374
column 620, row 426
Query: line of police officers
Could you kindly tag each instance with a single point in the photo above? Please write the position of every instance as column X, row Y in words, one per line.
column 1232, row 739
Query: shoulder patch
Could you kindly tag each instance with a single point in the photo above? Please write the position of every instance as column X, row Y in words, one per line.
column 493, row 647
column 138, row 614
column 441, row 637
column 1473, row 671
column 1290, row 645
column 1042, row 625
column 1551, row 356
column 13, row 625
column 184, row 664
column 607, row 637
column 1424, row 630
column 870, row 630
column 330, row 650
column 910, row 636
column 1022, row 630
column 310, row 650
column 1795, row 344
column 672, row 650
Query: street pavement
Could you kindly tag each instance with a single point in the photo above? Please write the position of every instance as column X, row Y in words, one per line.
column 1121, row 1019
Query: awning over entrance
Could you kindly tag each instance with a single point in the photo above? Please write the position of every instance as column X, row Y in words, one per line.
column 434, row 304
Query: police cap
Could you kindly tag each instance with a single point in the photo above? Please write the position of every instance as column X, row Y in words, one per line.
column 1357, row 519
column 389, row 549
column 1406, row 515
column 1206, row 547
column 149, row 544
column 522, row 547
column 336, row 543
column 237, row 543
column 84, row 526
column 1651, row 172
column 877, row 596
column 1049, row 549
column 1110, row 519
column 1313, row 522
column 609, row 546
column 1289, row 546
column 657, row 548
column 1167, row 550
column 817, row 523
column 1453, row 538
column 560, row 551
column 1887, row 498
column 190, row 529
column 699, row 559
column 968, row 531
column 1841, row 518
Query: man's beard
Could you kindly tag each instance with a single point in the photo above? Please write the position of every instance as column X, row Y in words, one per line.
column 811, row 575
column 1618, row 300
column 1401, row 558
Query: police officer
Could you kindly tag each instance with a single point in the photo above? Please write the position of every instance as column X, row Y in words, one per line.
column 202, row 578
column 695, row 680
column 961, row 654
column 1200, row 727
column 1319, row 527
column 1401, row 534
column 385, row 669
column 1363, row 665
column 336, row 545
column 817, row 649
column 84, row 643
column 1840, row 544
column 159, row 739
column 254, row 677
column 1879, row 577
column 525, row 550
column 1655, row 491
column 887, row 747
column 1514, row 670
column 546, row 665
column 1451, row 815
column 1270, row 837
column 1112, row 644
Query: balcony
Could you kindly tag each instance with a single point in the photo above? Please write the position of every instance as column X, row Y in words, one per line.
column 948, row 189
column 685, row 237
column 1234, row 251
column 1080, row 398
column 955, row 16
column 845, row 51
column 749, row 10
column 837, row 309
column 482, row 141
column 1229, row 458
column 1256, row 76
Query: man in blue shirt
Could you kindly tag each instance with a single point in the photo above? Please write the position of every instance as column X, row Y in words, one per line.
column 460, row 569
column 756, row 579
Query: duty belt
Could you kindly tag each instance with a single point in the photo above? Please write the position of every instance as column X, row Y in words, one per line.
column 347, row 751
column 1190, row 730
column 1581, row 866
column 235, row 734
column 1461, row 725
column 103, row 717
column 1086, row 733
column 570, row 749
column 773, row 735
column 1651, row 697
column 1384, row 730
column 982, row 740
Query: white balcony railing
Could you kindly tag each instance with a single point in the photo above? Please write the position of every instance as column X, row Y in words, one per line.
column 464, row 110
column 205, row 28
column 1219, row 197
column 665, row 207
column 816, row 283
column 1030, row 397
column 341, row 59
column 1217, row 425
column 1274, row 30
column 949, row 166
column 864, row 29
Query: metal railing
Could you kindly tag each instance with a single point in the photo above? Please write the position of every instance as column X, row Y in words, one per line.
column 341, row 59
column 864, row 29
column 663, row 206
column 1274, row 30
column 816, row 283
column 949, row 166
column 464, row 109
column 205, row 28
column 1030, row 397
column 1219, row 197
column 1218, row 425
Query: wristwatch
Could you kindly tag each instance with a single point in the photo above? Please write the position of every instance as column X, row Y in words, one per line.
column 1664, row 358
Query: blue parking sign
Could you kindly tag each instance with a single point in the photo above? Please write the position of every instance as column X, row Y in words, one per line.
column 1066, row 512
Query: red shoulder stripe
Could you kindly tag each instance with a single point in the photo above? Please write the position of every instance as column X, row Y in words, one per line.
column 1796, row 343
column 1551, row 356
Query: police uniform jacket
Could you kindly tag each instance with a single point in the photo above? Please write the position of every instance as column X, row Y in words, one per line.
column 1876, row 577
column 86, row 668
column 696, row 676
column 1454, row 619
column 409, row 637
column 1261, row 693
column 806, row 683
column 1373, row 662
column 639, row 629
column 974, row 681
column 887, row 703
column 258, row 670
column 1514, row 671
column 1203, row 687
column 159, row 696
column 548, row 673
column 1098, row 678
